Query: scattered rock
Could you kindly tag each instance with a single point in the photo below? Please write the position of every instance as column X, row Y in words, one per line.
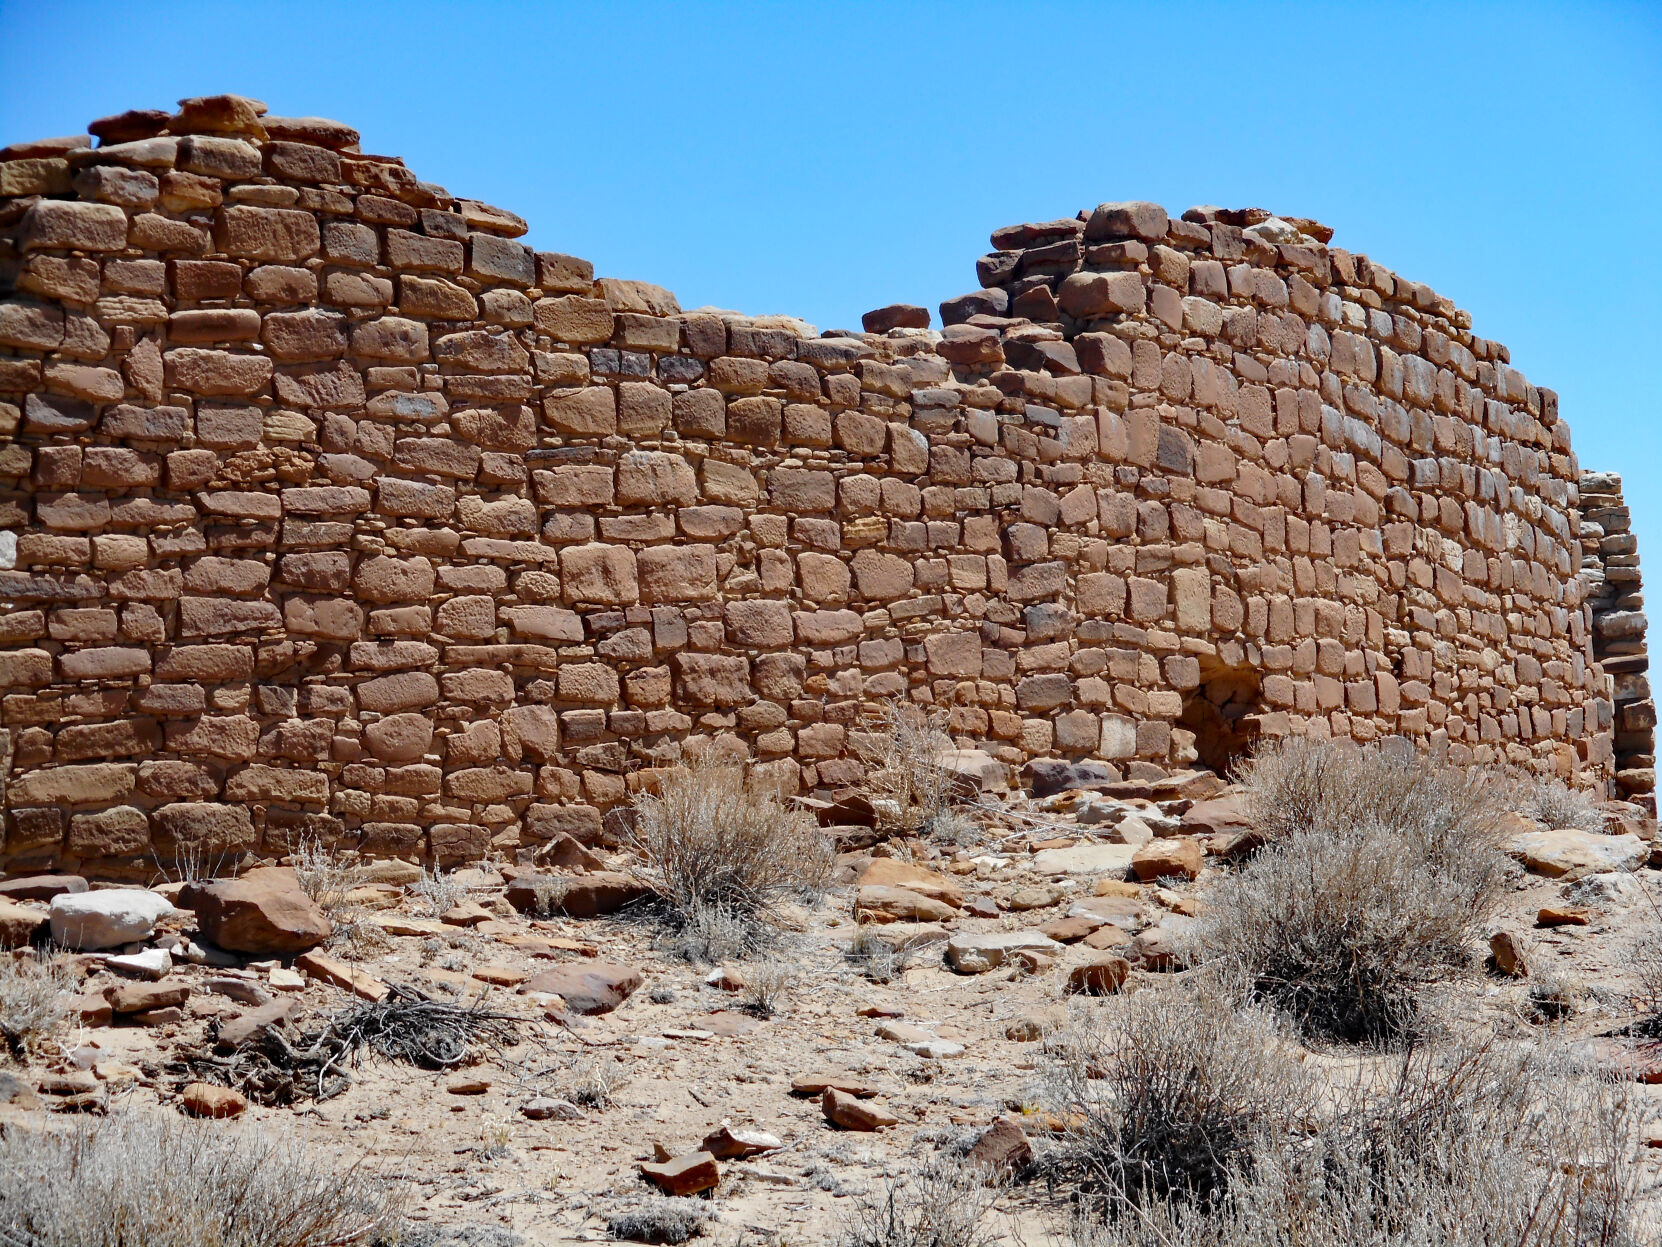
column 40, row 887
column 588, row 988
column 1024, row 899
column 107, row 918
column 1048, row 776
column 1217, row 816
column 726, row 1143
column 882, row 903
column 1073, row 929
column 263, row 912
column 1107, row 936
column 1035, row 1025
column 1160, row 947
column 338, row 974
column 1159, row 859
column 204, row 1099
column 255, row 1024
column 146, row 997
column 1085, row 859
column 852, row 1113
column 977, row 953
column 1507, row 948
column 981, row 907
column 1570, row 854
column 544, row 1108
column 820, row 1081
column 1563, row 916
column 578, row 896
column 19, row 925
column 565, row 853
column 683, row 1175
column 1102, row 976
column 152, row 963
column 466, row 1084
column 894, row 873
column 1003, row 1149
column 16, row 1092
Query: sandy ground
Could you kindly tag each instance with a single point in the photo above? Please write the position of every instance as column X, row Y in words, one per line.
column 684, row 1056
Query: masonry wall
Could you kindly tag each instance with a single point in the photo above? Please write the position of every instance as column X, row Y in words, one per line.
column 329, row 508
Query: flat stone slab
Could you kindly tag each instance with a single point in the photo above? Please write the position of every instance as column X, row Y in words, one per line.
column 1568, row 853
column 978, row 953
column 1085, row 859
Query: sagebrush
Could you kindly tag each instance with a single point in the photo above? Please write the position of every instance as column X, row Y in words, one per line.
column 159, row 1181
column 903, row 748
column 35, row 997
column 932, row 1204
column 1379, row 872
column 1478, row 1146
column 723, row 854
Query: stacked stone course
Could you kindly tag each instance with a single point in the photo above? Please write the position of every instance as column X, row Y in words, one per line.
column 1610, row 565
column 328, row 508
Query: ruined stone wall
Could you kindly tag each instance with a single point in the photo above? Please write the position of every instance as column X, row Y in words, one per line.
column 327, row 507
column 1610, row 565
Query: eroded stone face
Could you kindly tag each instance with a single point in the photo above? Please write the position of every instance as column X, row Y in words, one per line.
column 325, row 503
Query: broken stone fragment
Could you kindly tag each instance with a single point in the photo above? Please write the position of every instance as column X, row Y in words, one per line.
column 263, row 912
column 727, row 1143
column 683, row 1175
column 588, row 988
column 203, row 1099
column 852, row 1113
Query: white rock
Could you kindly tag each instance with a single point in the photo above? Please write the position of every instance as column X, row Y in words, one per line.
column 285, row 980
column 1133, row 830
column 152, row 963
column 107, row 918
column 1084, row 859
column 1556, row 854
column 1613, row 887
column 935, row 1049
column 978, row 953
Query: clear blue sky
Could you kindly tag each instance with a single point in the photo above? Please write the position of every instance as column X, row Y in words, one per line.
column 823, row 159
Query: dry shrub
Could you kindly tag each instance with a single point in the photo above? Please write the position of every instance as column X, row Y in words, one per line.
column 937, row 1204
column 325, row 875
column 1302, row 782
column 439, row 892
column 1379, row 873
column 660, row 1219
column 1555, row 803
column 1170, row 1093
column 34, row 1001
column 724, row 855
column 159, row 1181
column 1475, row 1147
column 903, row 747
column 768, row 985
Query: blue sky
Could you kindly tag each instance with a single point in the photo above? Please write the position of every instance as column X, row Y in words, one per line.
column 829, row 158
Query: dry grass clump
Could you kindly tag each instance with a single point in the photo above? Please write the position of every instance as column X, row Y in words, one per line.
column 439, row 893
column 1170, row 1093
column 660, row 1219
column 1555, row 803
column 723, row 855
column 34, row 1001
column 325, row 875
column 160, row 1181
column 1378, row 874
column 1474, row 1146
column 930, row 1205
column 768, row 986
column 1301, row 782
column 903, row 747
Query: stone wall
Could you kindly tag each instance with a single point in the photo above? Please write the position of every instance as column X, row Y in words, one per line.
column 327, row 507
column 1610, row 564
